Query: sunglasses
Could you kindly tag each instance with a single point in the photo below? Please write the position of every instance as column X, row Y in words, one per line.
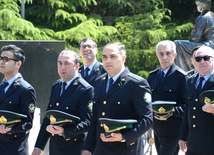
column 6, row 59
column 206, row 58
column 89, row 46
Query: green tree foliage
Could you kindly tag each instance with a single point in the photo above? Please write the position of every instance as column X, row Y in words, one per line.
column 58, row 15
column 57, row 20
column 141, row 31
column 139, row 24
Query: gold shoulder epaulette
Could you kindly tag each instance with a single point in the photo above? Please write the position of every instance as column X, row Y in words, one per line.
column 134, row 76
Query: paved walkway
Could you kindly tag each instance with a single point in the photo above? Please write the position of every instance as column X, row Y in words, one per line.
column 152, row 151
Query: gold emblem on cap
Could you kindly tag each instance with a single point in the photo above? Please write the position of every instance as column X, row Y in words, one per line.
column 52, row 119
column 3, row 119
column 105, row 127
column 208, row 101
column 113, row 130
column 161, row 110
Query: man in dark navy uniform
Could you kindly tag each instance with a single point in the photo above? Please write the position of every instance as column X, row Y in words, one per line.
column 119, row 94
column 73, row 95
column 17, row 96
column 91, row 68
column 197, row 133
column 168, row 83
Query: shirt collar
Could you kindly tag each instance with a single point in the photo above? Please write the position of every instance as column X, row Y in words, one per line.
column 165, row 71
column 206, row 77
column 117, row 75
column 90, row 66
column 69, row 82
column 12, row 79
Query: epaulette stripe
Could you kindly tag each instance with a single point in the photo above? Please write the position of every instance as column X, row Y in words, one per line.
column 190, row 71
column 157, row 69
column 134, row 76
column 181, row 71
column 84, row 83
column 103, row 74
column 25, row 84
column 192, row 75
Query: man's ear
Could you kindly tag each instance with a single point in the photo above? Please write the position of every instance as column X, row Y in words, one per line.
column 124, row 58
column 18, row 64
column 77, row 66
column 175, row 55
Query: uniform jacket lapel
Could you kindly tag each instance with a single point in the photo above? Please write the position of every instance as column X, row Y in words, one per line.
column 208, row 83
column 12, row 87
column 103, row 85
column 94, row 72
column 193, row 81
column 71, row 88
column 58, row 90
column 118, row 83
column 170, row 71
column 81, row 71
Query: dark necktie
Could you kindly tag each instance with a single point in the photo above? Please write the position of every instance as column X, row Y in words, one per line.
column 200, row 85
column 63, row 87
column 110, row 83
column 5, row 84
column 162, row 77
column 86, row 73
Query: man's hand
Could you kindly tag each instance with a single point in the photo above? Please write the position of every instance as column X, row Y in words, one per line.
column 115, row 137
column 163, row 118
column 182, row 145
column 86, row 152
column 209, row 108
column 4, row 130
column 55, row 129
column 36, row 152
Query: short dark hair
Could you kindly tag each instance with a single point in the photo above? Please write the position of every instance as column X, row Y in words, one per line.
column 17, row 52
column 77, row 59
column 86, row 39
column 121, row 47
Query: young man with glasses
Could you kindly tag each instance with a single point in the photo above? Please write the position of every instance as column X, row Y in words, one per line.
column 17, row 96
column 172, row 88
column 91, row 68
column 121, row 95
column 197, row 133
